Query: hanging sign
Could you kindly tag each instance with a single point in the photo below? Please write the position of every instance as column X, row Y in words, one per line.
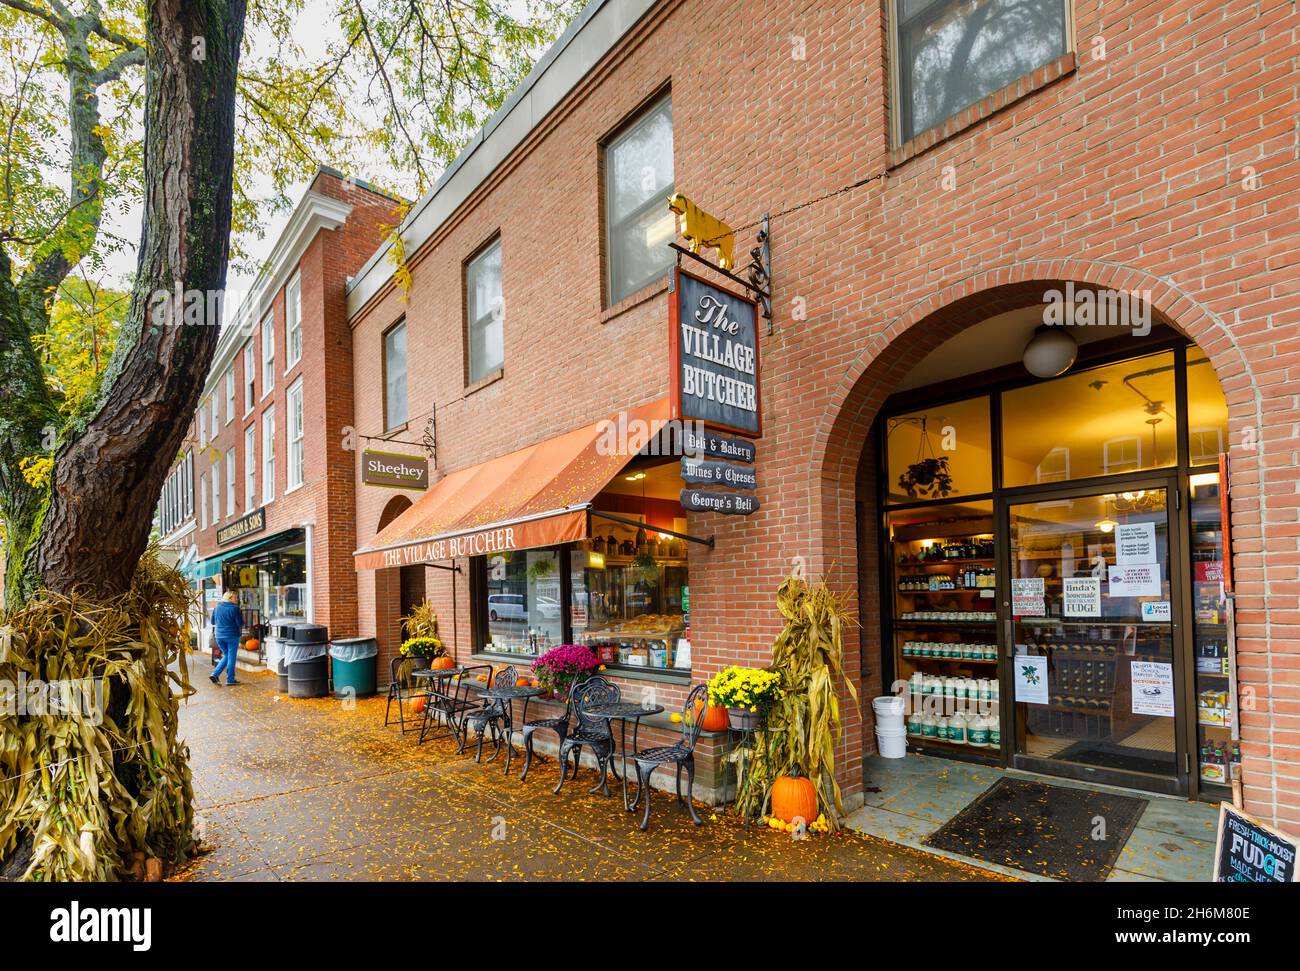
column 1247, row 851
column 705, row 472
column 1081, row 597
column 1152, row 688
column 1141, row 580
column 730, row 503
column 705, row 443
column 1030, row 672
column 254, row 522
column 1135, row 543
column 713, row 356
column 1028, row 597
column 394, row 470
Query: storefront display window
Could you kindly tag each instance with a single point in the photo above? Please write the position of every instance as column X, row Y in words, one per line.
column 940, row 453
column 1218, row 753
column 523, row 605
column 271, row 580
column 1207, row 411
column 1104, row 421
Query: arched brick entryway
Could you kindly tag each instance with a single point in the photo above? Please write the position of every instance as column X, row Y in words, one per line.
column 1268, row 649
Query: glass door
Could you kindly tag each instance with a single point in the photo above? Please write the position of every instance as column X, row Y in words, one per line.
column 1092, row 672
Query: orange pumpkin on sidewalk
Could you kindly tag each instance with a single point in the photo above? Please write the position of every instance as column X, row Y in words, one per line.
column 794, row 797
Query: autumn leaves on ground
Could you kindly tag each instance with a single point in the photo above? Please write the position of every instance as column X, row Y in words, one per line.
column 319, row 790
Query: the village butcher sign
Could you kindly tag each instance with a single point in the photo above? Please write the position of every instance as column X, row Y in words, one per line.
column 394, row 470
column 713, row 347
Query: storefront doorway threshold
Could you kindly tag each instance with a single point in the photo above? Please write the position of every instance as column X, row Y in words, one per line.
column 909, row 799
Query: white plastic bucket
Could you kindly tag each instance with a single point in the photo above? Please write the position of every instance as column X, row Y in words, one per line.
column 889, row 713
column 891, row 744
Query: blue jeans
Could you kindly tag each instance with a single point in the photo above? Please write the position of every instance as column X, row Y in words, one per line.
column 229, row 653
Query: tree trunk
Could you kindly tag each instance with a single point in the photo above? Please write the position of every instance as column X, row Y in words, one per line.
column 107, row 478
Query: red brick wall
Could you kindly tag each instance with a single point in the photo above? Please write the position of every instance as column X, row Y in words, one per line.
column 1129, row 171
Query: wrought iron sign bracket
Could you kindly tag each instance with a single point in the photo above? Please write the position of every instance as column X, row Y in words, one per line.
column 657, row 529
column 430, row 439
column 758, row 270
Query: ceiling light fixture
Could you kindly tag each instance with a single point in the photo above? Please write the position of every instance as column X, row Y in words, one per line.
column 1050, row 352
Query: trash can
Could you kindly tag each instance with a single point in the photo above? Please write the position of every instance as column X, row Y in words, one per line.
column 282, row 674
column 277, row 634
column 307, row 658
column 353, row 662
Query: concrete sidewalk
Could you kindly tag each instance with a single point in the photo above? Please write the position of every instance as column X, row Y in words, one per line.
column 316, row 790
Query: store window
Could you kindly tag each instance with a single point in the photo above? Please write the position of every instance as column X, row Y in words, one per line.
column 1207, row 410
column 485, row 310
column 230, row 483
column 201, row 420
column 1112, row 419
column 268, row 454
column 395, row 399
column 638, row 225
column 296, row 452
column 523, row 602
column 268, row 354
column 250, row 377
column 250, row 468
column 230, row 394
column 940, row 452
column 951, row 53
column 292, row 323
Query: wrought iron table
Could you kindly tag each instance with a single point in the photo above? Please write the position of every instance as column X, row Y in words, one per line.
column 623, row 712
column 435, row 675
column 510, row 696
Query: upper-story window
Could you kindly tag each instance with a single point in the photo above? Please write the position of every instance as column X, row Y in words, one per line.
column 638, row 225
column 230, row 394
column 202, row 421
column 395, row 404
column 230, row 482
column 268, row 354
column 297, row 456
column 216, row 416
column 250, row 467
column 951, row 53
column 268, row 454
column 177, row 504
column 250, row 377
column 216, row 489
column 486, row 312
column 293, row 322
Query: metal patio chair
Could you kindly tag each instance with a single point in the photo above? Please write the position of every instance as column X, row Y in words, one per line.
column 680, row 755
column 448, row 704
column 494, row 714
column 400, row 689
column 559, row 724
column 596, row 733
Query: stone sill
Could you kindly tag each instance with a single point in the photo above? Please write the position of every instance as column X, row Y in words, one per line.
column 645, row 294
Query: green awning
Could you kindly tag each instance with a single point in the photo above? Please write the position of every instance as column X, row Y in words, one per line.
column 210, row 567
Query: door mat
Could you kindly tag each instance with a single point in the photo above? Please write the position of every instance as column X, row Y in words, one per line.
column 1109, row 755
column 1049, row 830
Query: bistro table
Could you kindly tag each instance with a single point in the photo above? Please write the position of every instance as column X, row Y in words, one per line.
column 624, row 712
column 432, row 676
column 509, row 695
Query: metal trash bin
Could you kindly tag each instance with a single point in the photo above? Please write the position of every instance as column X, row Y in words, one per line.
column 278, row 633
column 352, row 662
column 307, row 659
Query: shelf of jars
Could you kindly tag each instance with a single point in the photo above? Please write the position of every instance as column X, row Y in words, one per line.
column 960, row 712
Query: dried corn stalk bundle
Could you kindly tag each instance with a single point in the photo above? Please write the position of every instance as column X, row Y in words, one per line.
column 91, row 770
column 803, row 728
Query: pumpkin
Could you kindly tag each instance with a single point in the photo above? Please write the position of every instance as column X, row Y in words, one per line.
column 418, row 705
column 715, row 717
column 441, row 663
column 523, row 683
column 252, row 644
column 792, row 797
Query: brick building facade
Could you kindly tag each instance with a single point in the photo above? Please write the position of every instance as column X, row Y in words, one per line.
column 1155, row 152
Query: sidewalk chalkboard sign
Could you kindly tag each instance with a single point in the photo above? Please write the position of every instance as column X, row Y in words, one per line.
column 730, row 503
column 1247, row 851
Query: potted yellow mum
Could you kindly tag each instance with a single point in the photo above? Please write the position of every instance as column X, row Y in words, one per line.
column 748, row 694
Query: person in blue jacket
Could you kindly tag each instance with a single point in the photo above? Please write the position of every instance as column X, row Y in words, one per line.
column 227, row 623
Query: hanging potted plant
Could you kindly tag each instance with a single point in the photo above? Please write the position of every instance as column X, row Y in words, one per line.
column 748, row 694
column 930, row 476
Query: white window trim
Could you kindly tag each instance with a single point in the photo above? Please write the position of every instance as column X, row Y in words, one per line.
column 288, row 440
column 250, row 467
column 232, row 492
column 202, row 421
column 250, row 357
column 268, row 387
column 217, row 472
column 268, row 456
column 1105, row 454
column 294, row 284
column 230, row 393
column 1038, row 469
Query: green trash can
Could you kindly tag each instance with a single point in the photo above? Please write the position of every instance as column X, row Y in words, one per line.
column 353, row 660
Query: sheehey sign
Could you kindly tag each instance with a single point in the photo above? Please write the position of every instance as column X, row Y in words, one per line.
column 394, row 470
column 713, row 354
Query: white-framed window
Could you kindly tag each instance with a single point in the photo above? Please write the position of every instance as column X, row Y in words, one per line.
column 230, row 394
column 293, row 401
column 948, row 54
column 395, row 402
column 638, row 225
column 485, row 312
column 216, row 489
column 216, row 416
column 1204, row 445
column 202, row 421
column 250, row 377
column 203, row 503
column 187, row 484
column 268, row 455
column 1055, row 466
column 292, row 323
column 1121, row 454
column 230, row 483
column 250, row 468
column 268, row 354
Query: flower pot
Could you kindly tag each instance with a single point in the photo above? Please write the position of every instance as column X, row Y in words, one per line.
column 419, row 663
column 742, row 719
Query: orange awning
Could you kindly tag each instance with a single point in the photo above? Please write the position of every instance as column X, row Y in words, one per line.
column 537, row 496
